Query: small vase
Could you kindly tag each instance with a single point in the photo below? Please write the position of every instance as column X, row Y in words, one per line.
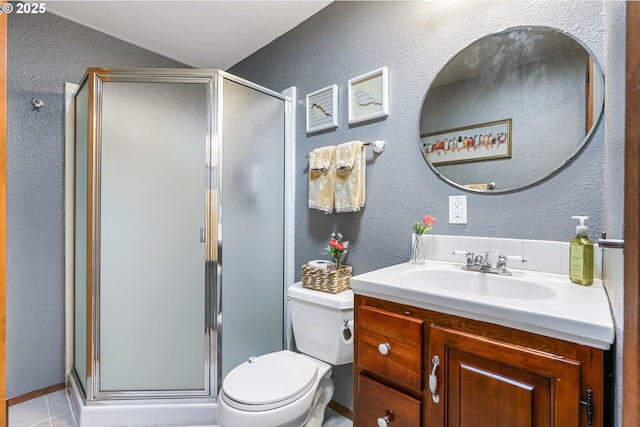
column 417, row 249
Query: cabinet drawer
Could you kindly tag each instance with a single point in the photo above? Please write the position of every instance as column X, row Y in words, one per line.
column 401, row 336
column 376, row 400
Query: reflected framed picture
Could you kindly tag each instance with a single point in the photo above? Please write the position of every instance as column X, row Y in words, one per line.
column 486, row 141
column 322, row 109
column 369, row 96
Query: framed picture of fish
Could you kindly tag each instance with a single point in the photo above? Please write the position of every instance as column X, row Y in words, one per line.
column 369, row 96
column 322, row 109
column 486, row 141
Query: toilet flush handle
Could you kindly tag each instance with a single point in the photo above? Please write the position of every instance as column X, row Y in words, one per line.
column 346, row 332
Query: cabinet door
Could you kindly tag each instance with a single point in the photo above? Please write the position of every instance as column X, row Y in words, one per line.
column 482, row 382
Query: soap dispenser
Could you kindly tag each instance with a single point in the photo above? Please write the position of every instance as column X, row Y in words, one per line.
column 581, row 255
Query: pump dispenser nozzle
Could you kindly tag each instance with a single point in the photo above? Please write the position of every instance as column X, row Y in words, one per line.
column 581, row 229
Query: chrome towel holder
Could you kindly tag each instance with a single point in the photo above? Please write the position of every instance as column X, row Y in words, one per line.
column 378, row 146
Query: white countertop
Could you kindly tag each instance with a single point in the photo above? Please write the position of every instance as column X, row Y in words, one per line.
column 542, row 303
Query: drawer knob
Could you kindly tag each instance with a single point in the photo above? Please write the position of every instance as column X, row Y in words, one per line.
column 384, row 421
column 384, row 348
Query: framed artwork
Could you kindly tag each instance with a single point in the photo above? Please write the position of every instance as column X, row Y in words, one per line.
column 322, row 109
column 369, row 96
column 468, row 144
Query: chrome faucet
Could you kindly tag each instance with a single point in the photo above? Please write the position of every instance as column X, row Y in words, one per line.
column 482, row 263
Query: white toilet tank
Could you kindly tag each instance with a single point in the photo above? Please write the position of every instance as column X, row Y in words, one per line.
column 318, row 320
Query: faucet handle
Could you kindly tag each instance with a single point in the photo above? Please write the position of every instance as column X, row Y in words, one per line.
column 501, row 264
column 467, row 254
column 510, row 258
column 514, row 258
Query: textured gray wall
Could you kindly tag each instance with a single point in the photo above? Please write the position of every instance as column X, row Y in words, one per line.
column 414, row 40
column 614, row 123
column 44, row 51
column 347, row 39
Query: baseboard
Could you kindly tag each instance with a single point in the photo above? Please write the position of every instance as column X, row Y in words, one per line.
column 35, row 393
column 342, row 410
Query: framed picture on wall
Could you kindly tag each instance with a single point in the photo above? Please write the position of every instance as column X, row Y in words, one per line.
column 322, row 109
column 368, row 96
column 484, row 141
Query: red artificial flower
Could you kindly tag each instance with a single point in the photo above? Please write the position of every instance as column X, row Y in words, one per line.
column 429, row 220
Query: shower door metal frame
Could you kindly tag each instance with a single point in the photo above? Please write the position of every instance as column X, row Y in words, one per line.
column 95, row 77
column 217, row 146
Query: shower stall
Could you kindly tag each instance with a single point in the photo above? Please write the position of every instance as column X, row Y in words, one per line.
column 181, row 205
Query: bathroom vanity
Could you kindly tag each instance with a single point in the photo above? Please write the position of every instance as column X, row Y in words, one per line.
column 436, row 346
column 426, row 357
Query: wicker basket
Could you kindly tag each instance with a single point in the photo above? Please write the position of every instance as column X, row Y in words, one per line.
column 331, row 281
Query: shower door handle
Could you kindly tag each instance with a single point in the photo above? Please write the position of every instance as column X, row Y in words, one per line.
column 203, row 235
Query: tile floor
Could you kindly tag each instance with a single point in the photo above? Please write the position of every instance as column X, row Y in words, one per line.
column 333, row 419
column 53, row 410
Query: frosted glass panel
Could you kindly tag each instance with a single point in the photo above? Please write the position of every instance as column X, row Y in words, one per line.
column 80, row 280
column 252, row 224
column 152, row 270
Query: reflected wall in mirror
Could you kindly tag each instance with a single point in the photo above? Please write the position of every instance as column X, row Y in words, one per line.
column 544, row 82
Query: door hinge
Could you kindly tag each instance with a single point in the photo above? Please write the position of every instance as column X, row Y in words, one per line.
column 588, row 402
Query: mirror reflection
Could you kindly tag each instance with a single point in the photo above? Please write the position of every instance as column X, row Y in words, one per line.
column 511, row 109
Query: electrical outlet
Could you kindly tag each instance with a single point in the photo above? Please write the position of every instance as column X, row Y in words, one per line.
column 457, row 209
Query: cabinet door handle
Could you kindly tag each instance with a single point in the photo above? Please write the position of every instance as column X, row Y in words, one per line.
column 384, row 348
column 588, row 402
column 433, row 380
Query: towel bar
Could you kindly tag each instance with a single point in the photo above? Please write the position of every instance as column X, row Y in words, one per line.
column 378, row 146
column 603, row 242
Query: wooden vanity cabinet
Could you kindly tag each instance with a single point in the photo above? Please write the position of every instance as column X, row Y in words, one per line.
column 488, row 375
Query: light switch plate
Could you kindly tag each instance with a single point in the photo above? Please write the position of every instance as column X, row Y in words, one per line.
column 457, row 209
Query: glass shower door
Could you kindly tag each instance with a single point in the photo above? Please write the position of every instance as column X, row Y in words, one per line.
column 180, row 234
column 153, row 187
column 252, row 226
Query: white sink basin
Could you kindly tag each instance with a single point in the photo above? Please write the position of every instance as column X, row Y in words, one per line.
column 542, row 303
column 475, row 283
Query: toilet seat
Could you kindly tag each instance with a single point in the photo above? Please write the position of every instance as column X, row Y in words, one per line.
column 269, row 381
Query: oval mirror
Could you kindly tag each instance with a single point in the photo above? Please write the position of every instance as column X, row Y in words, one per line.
column 511, row 109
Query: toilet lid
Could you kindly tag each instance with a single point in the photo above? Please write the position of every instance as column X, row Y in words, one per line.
column 274, row 380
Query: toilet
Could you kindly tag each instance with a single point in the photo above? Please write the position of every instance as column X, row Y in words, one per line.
column 287, row 389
